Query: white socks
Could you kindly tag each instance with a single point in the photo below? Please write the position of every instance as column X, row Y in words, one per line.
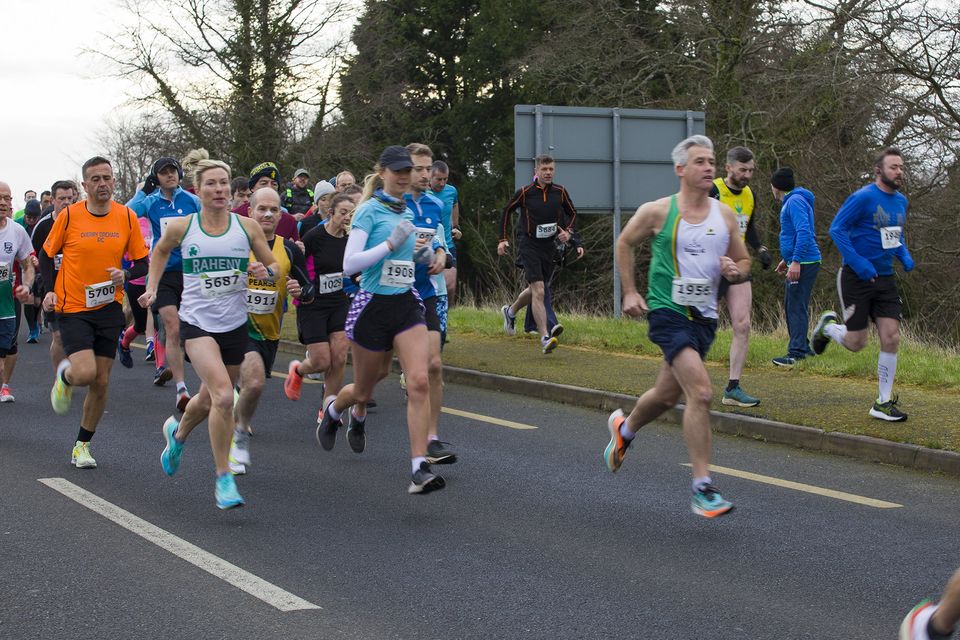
column 416, row 462
column 886, row 368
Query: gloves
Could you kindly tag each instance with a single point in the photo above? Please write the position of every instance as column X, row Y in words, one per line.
column 765, row 258
column 451, row 262
column 424, row 255
column 400, row 233
column 907, row 262
column 150, row 184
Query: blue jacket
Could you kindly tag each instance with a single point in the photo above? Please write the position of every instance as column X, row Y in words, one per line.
column 798, row 240
column 427, row 214
column 857, row 229
column 155, row 207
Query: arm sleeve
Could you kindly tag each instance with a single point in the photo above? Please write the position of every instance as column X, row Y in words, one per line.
column 505, row 219
column 47, row 271
column 806, row 241
column 751, row 237
column 840, row 233
column 298, row 263
column 138, row 269
column 139, row 203
column 54, row 242
column 356, row 259
column 903, row 255
column 568, row 208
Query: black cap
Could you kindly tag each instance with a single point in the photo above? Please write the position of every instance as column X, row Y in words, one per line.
column 164, row 162
column 262, row 170
column 396, row 158
column 782, row 179
column 32, row 209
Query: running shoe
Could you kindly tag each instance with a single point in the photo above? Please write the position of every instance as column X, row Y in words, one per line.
column 126, row 358
column 6, row 395
column 291, row 386
column 182, row 399
column 439, row 452
column 226, row 493
column 549, row 344
column 316, row 376
column 34, row 335
column 509, row 322
column 818, row 339
column 737, row 397
column 371, row 403
column 151, row 355
column 888, row 410
column 162, row 376
column 327, row 428
column 556, row 330
column 424, row 480
column 61, row 393
column 915, row 624
column 617, row 447
column 81, row 458
column 785, row 361
column 170, row 458
column 240, row 447
column 356, row 432
column 236, row 468
column 708, row 502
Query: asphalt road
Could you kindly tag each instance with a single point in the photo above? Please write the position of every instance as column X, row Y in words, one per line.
column 532, row 538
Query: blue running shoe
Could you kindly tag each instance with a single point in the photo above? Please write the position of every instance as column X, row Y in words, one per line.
column 226, row 492
column 126, row 358
column 708, row 502
column 170, row 458
column 151, row 354
column 737, row 397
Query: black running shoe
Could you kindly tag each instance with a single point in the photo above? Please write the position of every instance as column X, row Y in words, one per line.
column 438, row 452
column 425, row 481
column 356, row 433
column 327, row 430
column 884, row 411
column 818, row 339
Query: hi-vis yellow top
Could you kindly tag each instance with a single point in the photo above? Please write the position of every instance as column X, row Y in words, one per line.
column 741, row 203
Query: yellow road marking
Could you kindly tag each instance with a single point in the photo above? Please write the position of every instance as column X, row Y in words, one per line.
column 482, row 418
column 808, row 488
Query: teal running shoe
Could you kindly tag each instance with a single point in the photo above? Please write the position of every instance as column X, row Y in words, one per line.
column 737, row 397
column 170, row 458
column 708, row 502
column 61, row 393
column 226, row 493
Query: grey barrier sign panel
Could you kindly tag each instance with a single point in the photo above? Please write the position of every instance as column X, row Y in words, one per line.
column 607, row 159
column 587, row 142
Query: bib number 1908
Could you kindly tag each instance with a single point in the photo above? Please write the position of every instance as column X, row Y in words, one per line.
column 397, row 273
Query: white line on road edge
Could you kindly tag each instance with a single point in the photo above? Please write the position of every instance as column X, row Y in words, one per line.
column 482, row 418
column 232, row 574
column 808, row 488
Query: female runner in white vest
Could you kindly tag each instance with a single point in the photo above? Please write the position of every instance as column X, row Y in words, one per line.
column 216, row 246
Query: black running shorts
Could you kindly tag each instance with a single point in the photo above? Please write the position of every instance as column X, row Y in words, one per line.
column 863, row 300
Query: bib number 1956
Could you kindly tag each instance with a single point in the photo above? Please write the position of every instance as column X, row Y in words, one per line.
column 692, row 292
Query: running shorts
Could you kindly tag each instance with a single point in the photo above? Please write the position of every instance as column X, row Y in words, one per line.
column 169, row 290
column 134, row 291
column 316, row 321
column 98, row 330
column 267, row 350
column 374, row 319
column 8, row 334
column 536, row 258
column 233, row 343
column 673, row 332
column 863, row 300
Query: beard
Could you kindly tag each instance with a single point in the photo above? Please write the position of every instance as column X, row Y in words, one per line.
column 890, row 182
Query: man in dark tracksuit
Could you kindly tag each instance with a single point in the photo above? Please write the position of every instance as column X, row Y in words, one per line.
column 546, row 215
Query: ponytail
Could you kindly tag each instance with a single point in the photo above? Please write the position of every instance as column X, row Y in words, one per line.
column 371, row 183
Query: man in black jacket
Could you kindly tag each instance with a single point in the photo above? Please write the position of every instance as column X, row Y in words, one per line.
column 298, row 197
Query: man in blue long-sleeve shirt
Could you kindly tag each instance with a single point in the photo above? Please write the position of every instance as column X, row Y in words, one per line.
column 868, row 230
column 800, row 263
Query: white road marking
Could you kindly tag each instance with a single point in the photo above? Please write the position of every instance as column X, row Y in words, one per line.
column 483, row 418
column 229, row 573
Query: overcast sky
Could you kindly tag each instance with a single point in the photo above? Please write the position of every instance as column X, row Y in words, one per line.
column 54, row 102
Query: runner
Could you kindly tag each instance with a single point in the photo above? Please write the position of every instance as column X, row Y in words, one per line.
column 734, row 191
column 448, row 194
column 65, row 193
column 695, row 242
column 161, row 200
column 546, row 213
column 142, row 319
column 428, row 214
column 929, row 621
column 386, row 314
column 91, row 236
column 266, row 176
column 320, row 324
column 868, row 231
column 265, row 302
column 213, row 314
column 15, row 248
column 323, row 194
column 31, row 308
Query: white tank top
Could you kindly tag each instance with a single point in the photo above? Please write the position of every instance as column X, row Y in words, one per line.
column 215, row 276
column 699, row 247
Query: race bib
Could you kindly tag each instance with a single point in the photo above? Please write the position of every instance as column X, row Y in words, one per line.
column 329, row 282
column 397, row 273
column 422, row 233
column 890, row 237
column 692, row 292
column 261, row 301
column 57, row 261
column 100, row 294
column 165, row 222
column 4, row 271
column 546, row 230
column 742, row 221
column 222, row 283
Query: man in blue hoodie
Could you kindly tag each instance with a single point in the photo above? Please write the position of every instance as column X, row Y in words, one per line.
column 800, row 263
column 868, row 230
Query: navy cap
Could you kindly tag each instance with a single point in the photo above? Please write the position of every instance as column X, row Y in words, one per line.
column 263, row 170
column 164, row 162
column 32, row 209
column 396, row 158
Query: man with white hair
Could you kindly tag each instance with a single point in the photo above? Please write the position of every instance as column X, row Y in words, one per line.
column 15, row 248
column 696, row 242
